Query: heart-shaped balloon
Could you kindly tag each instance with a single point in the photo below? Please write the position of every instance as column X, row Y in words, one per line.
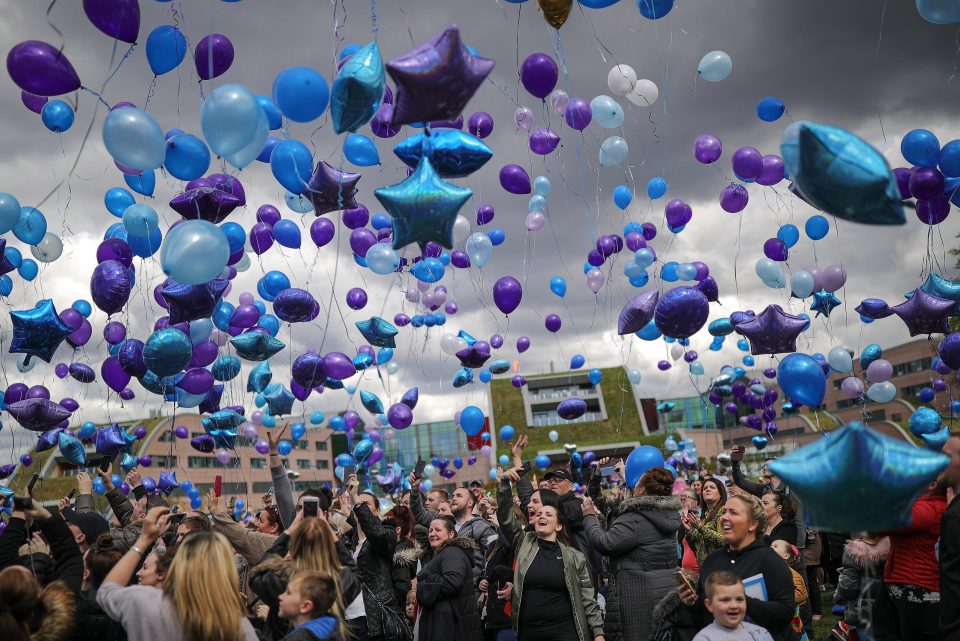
column 760, row 442
column 570, row 447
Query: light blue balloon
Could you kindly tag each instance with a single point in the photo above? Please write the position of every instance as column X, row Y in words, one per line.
column 613, row 151
column 789, row 234
column 632, row 270
column 195, row 251
column 298, row 203
column 274, row 117
column 133, row 138
column 606, row 112
column 140, row 220
column 656, row 188
column 479, row 248
column 292, row 165
column 166, row 48
column 696, row 368
column 57, row 116
column 200, row 330
column 28, row 269
column 939, row 11
column 187, row 157
column 301, row 93
column 686, row 271
column 715, row 66
column 31, row 227
column 9, row 212
column 143, row 184
column 252, row 150
column 644, row 257
column 229, row 119
column 541, row 185
column 360, row 150
column 558, row 286
column 382, row 259
column 117, row 200
column 537, row 203
column 504, row 460
column 358, row 89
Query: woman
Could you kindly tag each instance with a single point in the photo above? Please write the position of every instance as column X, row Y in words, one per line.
column 496, row 584
column 552, row 597
column 779, row 511
column 912, row 573
column 704, row 531
column 155, row 567
column 745, row 554
column 308, row 544
column 448, row 602
column 407, row 553
column 641, row 545
column 92, row 623
column 250, row 544
column 382, row 618
column 689, row 502
column 27, row 611
column 200, row 600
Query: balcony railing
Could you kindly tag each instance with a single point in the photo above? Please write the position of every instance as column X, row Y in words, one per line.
column 549, row 394
column 553, row 419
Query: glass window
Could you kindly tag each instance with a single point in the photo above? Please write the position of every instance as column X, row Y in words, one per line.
column 323, row 464
column 321, row 446
column 206, row 462
column 258, row 463
column 303, row 463
column 167, row 436
column 165, row 461
column 300, row 445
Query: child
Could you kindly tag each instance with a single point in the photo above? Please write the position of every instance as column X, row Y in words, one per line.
column 861, row 582
column 305, row 604
column 802, row 616
column 411, row 609
column 727, row 602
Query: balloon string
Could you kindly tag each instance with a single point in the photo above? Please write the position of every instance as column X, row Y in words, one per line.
column 374, row 29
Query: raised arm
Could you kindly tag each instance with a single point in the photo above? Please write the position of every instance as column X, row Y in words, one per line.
column 286, row 506
column 505, row 517
column 421, row 514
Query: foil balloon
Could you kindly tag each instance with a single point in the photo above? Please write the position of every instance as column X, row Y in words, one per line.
column 453, row 153
column 167, row 351
column 110, row 286
column 38, row 414
column 824, row 302
column 82, row 373
column 357, row 90
column 110, row 441
column 410, row 397
column 773, row 331
column 923, row 313
column 167, row 482
column 205, row 203
column 840, row 173
column 279, row 399
column 936, row 440
column 571, row 408
column 47, row 440
column 463, row 376
column 378, row 332
column 555, row 12
column 130, row 356
column 330, row 189
column 424, row 207
column 223, row 420
column 475, row 355
column 863, row 462
column 681, row 312
column 211, row 400
column 226, row 368
column 256, row 346
column 371, row 403
column 38, row 331
column 362, row 450
column 295, row 306
column 435, row 80
column 192, row 302
column 203, row 443
column 937, row 285
column 501, row 366
column 874, row 308
column 71, row 449
column 638, row 311
column 307, row 370
column 41, row 69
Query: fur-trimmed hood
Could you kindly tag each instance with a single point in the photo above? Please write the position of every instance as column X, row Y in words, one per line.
column 644, row 503
column 59, row 613
column 662, row 512
column 465, row 544
column 865, row 555
column 407, row 555
column 276, row 564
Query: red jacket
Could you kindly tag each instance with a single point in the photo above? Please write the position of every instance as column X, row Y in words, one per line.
column 911, row 560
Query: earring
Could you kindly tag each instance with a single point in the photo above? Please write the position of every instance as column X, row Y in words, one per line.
column 750, row 529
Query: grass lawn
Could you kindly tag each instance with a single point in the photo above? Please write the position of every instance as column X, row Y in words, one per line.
column 821, row 628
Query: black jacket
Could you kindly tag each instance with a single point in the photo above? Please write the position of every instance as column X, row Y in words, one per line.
column 776, row 612
column 405, row 558
column 785, row 531
column 374, row 570
column 950, row 572
column 446, row 595
column 93, row 624
column 571, row 512
column 498, row 571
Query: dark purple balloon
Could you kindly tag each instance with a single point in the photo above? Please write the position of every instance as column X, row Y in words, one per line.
column 14, row 393
column 338, row 366
column 361, row 240
column 401, row 320
column 507, row 293
column 902, row 175
column 115, row 249
column 118, row 19
column 514, row 179
column 485, row 214
column 734, row 198
column 578, row 114
column 399, row 416
column 61, row 370
column 681, row 312
column 268, row 214
column 41, row 69
column 38, row 391
column 70, row 403
column 114, row 332
column 606, row 246
column 459, row 258
column 772, row 172
column 663, row 365
column 595, row 258
column 926, row 183
column 213, row 56
column 775, row 249
column 299, row 393
column 295, row 306
column 380, row 123
column 83, row 373
column 934, row 211
column 747, row 163
column 322, row 231
column 496, row 341
column 552, row 322
column 113, row 374
column 543, row 141
column 523, row 344
column 678, row 213
column 539, row 74
column 32, row 102
column 480, row 124
column 131, row 357
column 635, row 241
column 707, row 149
column 80, row 337
column 356, row 217
column 649, row 231
column 206, row 203
column 127, row 394
column 261, row 238
column 356, row 298
column 196, row 381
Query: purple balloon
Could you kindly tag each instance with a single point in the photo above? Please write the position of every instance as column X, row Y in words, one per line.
column 578, row 114
column 595, row 258
column 775, row 249
column 127, row 394
column 39, row 391
column 460, row 259
column 681, row 312
column 206, row 203
column 82, row 373
column 41, row 69
column 380, row 123
column 118, row 19
column 635, row 241
column 268, row 214
column 480, row 124
column 115, row 249
column 356, row 217
column 552, row 322
column 902, row 175
column 295, row 306
column 14, row 393
column 196, row 381
column 485, row 213
column 32, row 102
column 934, row 211
column 113, row 332
column 773, row 170
column 734, row 198
column 80, row 337
column 926, row 183
column 496, row 341
column 401, row 320
column 338, row 366
column 131, row 357
column 399, row 416
column 638, row 312
column 114, row 375
column 71, row 318
column 322, row 231
column 543, row 141
column 361, row 240
column 507, row 293
column 747, row 163
column 707, row 149
column 213, row 56
column 678, row 213
column 523, row 344
column 110, row 286
column 539, row 74
column 356, row 298
column 261, row 238
column 649, row 231
column 514, row 179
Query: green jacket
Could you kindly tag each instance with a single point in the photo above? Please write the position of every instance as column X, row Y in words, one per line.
column 586, row 612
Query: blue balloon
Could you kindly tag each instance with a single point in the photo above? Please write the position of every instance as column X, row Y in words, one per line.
column 268, row 147
column 6, row 285
column 595, row 376
column 301, row 93
column 656, row 188
column 166, row 48
column 292, row 165
column 117, row 200
column 229, row 119
column 485, row 376
column 143, row 184
column 801, row 379
column 380, row 221
column 274, row 117
column 140, row 220
column 542, row 461
column 577, row 361
column 167, row 351
column 429, row 270
column 471, row 420
column 83, row 307
column 236, row 236
column 649, row 332
column 558, row 286
column 497, row 236
column 187, row 157
column 57, row 116
column 789, row 234
column 654, row 10
column 31, row 227
column 145, row 246
column 816, row 227
column 275, row 282
column 770, row 109
column 13, row 256
column 357, row 89
column 921, row 148
column 950, row 160
column 451, row 152
column 594, row 4
column 28, row 269
column 360, row 150
column 640, row 461
column 669, row 272
column 9, row 212
column 287, row 233
column 316, row 418
column 622, row 196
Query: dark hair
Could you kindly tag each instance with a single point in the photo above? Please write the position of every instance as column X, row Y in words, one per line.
column 196, row 524
column 448, row 523
column 22, row 606
column 656, row 481
column 788, row 508
column 376, row 501
column 720, row 578
column 563, row 535
column 444, row 495
column 100, row 559
column 273, row 516
column 712, row 514
column 323, row 494
column 164, row 559
column 319, row 588
column 402, row 517
column 550, row 497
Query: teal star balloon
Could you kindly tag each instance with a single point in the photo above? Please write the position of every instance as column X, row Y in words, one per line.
column 824, row 302
column 371, row 402
column 424, row 207
column 39, row 331
column 256, row 346
column 259, row 378
column 839, row 477
column 942, row 288
column 279, row 399
column 378, row 332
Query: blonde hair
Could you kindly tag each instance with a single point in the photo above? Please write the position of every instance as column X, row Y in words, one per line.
column 754, row 510
column 313, row 548
column 203, row 586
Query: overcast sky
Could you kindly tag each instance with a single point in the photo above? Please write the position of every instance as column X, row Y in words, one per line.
column 876, row 68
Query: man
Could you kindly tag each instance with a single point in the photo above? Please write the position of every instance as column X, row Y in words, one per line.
column 434, row 499
column 86, row 527
column 128, row 514
column 950, row 545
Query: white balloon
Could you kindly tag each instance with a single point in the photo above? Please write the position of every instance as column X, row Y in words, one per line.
column 392, row 367
column 243, row 264
column 676, row 352
column 613, row 151
column 48, row 249
column 24, row 367
column 451, row 344
column 621, row 80
column 553, row 435
column 461, row 229
column 644, row 93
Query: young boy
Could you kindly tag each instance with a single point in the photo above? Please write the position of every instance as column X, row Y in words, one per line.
column 306, row 604
column 727, row 602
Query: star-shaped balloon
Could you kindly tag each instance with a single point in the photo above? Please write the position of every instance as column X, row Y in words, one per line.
column 824, row 302
column 259, row 378
column 38, row 331
column 256, row 346
column 475, row 355
column 192, row 302
column 279, row 399
column 331, row 383
column 128, row 462
column 942, row 288
column 7, row 470
column 205, row 203
column 378, row 332
column 436, row 80
column 110, row 441
column 330, row 189
column 362, row 361
column 47, row 440
column 411, row 397
column 936, row 440
column 453, row 153
column 665, row 407
column 874, row 308
column 371, row 402
column 211, row 400
column 924, row 313
column 5, row 265
column 38, row 414
column 357, row 90
column 168, row 482
column 424, row 207
column 637, row 312
column 467, row 337
column 463, row 376
column 866, row 464
column 224, row 419
column 773, row 331
column 709, row 288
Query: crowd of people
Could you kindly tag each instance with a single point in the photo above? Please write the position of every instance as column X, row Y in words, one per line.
column 707, row 558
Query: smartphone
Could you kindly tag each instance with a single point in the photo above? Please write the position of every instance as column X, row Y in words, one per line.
column 525, row 468
column 233, row 502
column 349, row 471
column 418, row 470
column 72, row 494
column 311, row 506
column 682, row 580
column 697, row 511
column 104, row 464
column 22, row 503
column 218, row 485
column 271, row 491
column 610, row 470
column 33, row 481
